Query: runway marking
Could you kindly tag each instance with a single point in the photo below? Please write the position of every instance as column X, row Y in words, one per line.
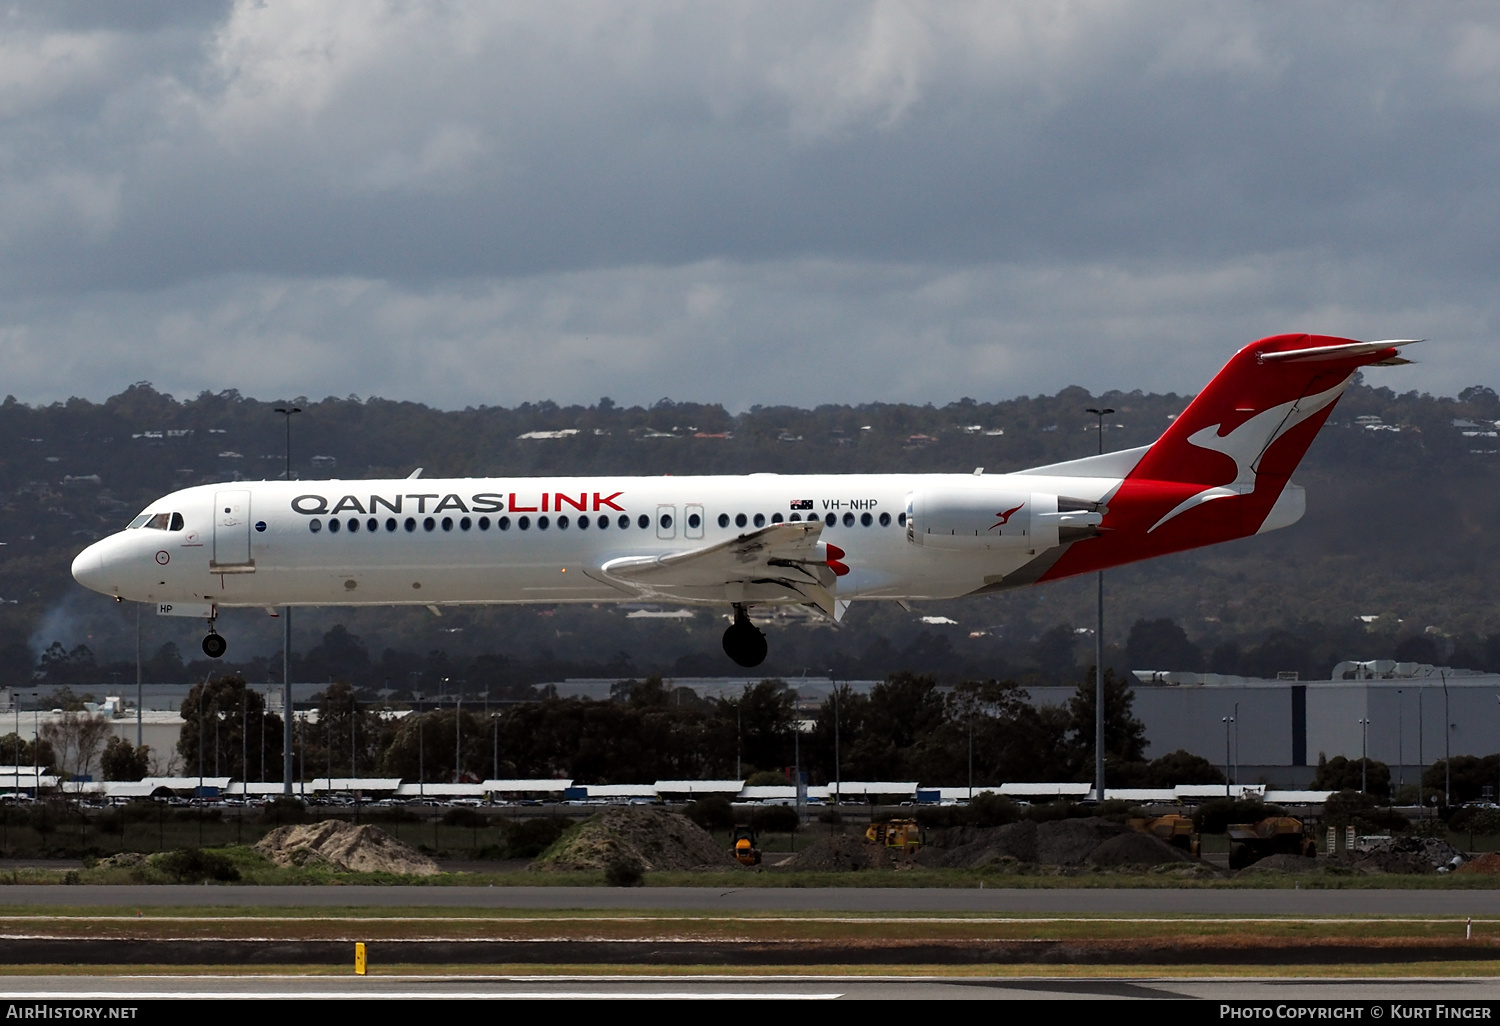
column 1187, row 918
column 418, row 995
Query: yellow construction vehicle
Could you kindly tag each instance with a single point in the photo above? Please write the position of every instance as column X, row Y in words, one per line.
column 896, row 833
column 1174, row 829
column 1274, row 835
column 744, row 848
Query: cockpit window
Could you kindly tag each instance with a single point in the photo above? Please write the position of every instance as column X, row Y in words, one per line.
column 158, row 522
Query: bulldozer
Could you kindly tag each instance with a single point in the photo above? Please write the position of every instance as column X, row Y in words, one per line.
column 1174, row 829
column 744, row 849
column 1274, row 835
column 905, row 834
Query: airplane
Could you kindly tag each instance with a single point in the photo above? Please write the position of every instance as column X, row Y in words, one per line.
column 1220, row 471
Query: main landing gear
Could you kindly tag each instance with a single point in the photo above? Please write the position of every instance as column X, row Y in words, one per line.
column 743, row 641
column 214, row 644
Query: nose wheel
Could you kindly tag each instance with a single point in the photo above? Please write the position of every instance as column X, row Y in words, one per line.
column 214, row 644
column 743, row 641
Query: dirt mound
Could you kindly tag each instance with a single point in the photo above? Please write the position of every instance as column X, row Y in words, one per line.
column 1488, row 863
column 978, row 847
column 1136, row 849
column 1409, row 855
column 654, row 839
column 842, row 853
column 1283, row 863
column 1068, row 842
column 340, row 845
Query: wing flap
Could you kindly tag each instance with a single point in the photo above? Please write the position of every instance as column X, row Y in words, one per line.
column 779, row 562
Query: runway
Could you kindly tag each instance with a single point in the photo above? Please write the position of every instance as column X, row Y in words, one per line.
column 123, row 989
column 1039, row 901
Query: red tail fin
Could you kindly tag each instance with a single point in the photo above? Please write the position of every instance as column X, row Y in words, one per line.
column 1219, row 469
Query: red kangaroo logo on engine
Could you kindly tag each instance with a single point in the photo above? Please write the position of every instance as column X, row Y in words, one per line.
column 1005, row 517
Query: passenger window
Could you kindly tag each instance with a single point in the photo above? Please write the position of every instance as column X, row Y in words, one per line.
column 411, row 523
column 372, row 525
column 353, row 525
column 524, row 523
column 723, row 519
column 583, row 523
column 666, row 520
column 797, row 518
column 603, row 521
column 901, row 519
column 775, row 518
column 465, row 524
column 885, row 520
column 315, row 525
column 739, row 520
column 447, row 523
column 694, row 520
column 830, row 520
column 390, row 523
column 542, row 523
column 562, row 523
column 848, row 519
column 644, row 521
column 760, row 520
column 428, row 524
column 333, row 527
column 503, row 523
column 866, row 519
column 484, row 523
column 176, row 522
column 625, row 521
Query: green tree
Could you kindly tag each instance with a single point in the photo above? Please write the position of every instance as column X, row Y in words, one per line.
column 123, row 761
column 765, row 714
column 239, row 713
column 1124, row 735
column 18, row 751
column 1343, row 774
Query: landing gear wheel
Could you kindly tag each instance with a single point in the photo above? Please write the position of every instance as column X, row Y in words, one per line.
column 743, row 641
column 214, row 645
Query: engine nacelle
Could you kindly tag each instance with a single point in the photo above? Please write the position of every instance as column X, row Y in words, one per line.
column 991, row 519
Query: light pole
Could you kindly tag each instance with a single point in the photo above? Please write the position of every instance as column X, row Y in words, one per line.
column 138, row 728
column 1400, row 741
column 838, row 779
column 1099, row 655
column 1364, row 755
column 1236, row 722
column 1447, row 746
column 286, row 638
column 1228, row 722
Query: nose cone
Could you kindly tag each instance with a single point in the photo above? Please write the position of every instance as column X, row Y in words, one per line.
column 88, row 569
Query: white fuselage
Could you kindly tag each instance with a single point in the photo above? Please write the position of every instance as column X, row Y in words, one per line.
column 478, row 540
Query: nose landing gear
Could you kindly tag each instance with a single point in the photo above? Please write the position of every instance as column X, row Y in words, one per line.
column 743, row 641
column 214, row 644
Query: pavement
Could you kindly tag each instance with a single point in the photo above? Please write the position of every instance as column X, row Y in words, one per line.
column 1411, row 991
column 1039, row 901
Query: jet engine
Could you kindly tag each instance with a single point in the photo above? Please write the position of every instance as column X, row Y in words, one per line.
column 990, row 519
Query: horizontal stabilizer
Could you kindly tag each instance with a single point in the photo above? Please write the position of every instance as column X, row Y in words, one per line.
column 1321, row 354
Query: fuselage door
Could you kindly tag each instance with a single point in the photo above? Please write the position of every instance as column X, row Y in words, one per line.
column 692, row 521
column 666, row 521
column 232, row 532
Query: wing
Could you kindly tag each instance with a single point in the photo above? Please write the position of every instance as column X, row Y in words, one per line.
column 775, row 564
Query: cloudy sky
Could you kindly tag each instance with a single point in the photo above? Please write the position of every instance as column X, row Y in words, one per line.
column 465, row 203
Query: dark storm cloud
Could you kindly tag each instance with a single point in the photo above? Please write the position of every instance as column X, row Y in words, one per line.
column 1038, row 194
